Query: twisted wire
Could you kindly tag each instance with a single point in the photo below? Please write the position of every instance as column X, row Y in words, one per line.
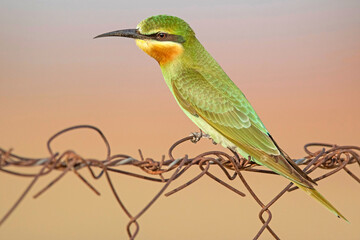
column 331, row 157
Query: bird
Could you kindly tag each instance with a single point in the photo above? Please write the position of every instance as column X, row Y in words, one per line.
column 211, row 99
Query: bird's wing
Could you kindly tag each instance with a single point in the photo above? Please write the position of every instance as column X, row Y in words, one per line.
column 223, row 106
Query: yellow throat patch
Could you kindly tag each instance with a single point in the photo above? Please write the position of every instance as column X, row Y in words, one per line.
column 162, row 51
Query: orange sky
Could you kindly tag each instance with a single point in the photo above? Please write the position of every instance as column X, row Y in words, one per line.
column 297, row 62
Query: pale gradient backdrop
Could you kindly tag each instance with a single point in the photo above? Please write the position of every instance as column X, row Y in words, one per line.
column 298, row 62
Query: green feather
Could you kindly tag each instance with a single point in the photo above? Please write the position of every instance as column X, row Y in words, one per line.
column 213, row 102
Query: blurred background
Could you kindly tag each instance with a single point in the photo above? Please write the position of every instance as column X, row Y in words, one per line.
column 298, row 63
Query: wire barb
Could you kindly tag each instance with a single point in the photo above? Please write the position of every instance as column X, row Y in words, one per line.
column 331, row 157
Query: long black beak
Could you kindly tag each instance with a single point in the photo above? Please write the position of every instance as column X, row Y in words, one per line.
column 129, row 33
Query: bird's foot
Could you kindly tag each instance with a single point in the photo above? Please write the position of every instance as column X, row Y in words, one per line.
column 198, row 135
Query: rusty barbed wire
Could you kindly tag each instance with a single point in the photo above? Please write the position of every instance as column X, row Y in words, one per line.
column 330, row 157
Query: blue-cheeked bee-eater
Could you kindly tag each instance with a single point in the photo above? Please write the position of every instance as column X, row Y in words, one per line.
column 210, row 99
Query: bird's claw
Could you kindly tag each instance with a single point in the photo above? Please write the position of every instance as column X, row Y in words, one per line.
column 196, row 136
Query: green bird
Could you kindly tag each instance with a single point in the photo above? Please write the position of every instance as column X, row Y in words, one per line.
column 210, row 99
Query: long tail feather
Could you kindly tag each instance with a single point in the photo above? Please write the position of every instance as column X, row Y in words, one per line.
column 316, row 195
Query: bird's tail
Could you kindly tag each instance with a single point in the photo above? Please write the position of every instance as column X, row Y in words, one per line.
column 316, row 195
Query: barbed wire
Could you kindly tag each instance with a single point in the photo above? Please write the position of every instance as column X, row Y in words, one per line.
column 330, row 157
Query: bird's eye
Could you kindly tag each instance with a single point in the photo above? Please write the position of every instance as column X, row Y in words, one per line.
column 161, row 35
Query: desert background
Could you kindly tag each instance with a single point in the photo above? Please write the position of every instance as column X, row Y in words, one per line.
column 298, row 63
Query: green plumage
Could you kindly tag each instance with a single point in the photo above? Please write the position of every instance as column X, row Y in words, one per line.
column 218, row 107
column 205, row 92
column 167, row 24
column 211, row 100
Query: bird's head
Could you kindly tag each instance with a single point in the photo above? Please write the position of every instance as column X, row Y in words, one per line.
column 163, row 37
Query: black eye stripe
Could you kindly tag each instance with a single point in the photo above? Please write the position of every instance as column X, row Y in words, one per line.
column 165, row 37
